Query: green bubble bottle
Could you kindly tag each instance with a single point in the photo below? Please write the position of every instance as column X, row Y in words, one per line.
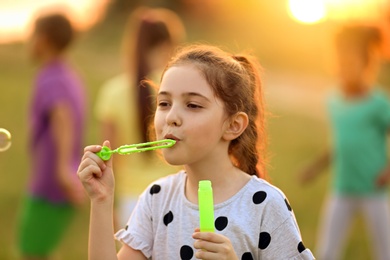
column 206, row 206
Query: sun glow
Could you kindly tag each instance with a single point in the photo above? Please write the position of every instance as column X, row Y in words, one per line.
column 313, row 11
column 307, row 11
column 16, row 17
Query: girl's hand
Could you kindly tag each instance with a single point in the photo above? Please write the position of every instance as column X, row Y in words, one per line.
column 213, row 246
column 96, row 175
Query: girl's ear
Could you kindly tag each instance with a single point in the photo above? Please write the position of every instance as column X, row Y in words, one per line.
column 235, row 126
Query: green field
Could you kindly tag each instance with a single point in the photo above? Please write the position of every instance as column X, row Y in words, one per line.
column 294, row 139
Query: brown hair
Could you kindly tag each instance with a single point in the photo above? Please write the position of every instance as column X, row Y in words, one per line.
column 359, row 38
column 235, row 79
column 57, row 28
column 153, row 27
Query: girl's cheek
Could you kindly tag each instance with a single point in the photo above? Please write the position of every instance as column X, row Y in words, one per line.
column 158, row 122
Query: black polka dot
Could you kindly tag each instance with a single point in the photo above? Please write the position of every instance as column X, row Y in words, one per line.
column 127, row 226
column 168, row 218
column 155, row 189
column 301, row 247
column 259, row 197
column 288, row 205
column 186, row 252
column 264, row 240
column 221, row 223
column 247, row 256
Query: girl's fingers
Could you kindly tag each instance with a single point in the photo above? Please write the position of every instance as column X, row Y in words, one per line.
column 202, row 254
column 91, row 157
column 107, row 143
column 212, row 246
column 90, row 171
column 89, row 166
column 208, row 236
column 109, row 162
column 85, row 161
column 205, row 245
column 93, row 148
column 208, row 241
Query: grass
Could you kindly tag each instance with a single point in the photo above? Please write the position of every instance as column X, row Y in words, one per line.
column 294, row 140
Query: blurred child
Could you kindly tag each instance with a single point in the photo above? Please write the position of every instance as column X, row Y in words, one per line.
column 360, row 118
column 124, row 106
column 210, row 102
column 56, row 125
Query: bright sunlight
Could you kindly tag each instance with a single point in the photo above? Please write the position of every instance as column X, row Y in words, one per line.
column 16, row 16
column 307, row 11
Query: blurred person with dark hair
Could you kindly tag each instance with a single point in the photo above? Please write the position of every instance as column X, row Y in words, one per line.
column 56, row 126
column 360, row 119
column 125, row 105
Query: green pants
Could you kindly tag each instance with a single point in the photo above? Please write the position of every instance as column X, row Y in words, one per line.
column 42, row 226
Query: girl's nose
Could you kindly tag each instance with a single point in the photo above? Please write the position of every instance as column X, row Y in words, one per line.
column 173, row 117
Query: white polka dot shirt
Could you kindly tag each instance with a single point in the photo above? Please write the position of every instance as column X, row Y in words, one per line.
column 258, row 220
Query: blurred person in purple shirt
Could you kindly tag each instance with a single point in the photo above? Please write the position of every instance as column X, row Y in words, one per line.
column 56, row 117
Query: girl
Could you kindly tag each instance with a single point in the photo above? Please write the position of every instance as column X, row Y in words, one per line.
column 209, row 101
column 124, row 107
column 360, row 119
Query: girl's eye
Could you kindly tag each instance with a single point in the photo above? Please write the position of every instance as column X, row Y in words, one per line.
column 163, row 104
column 193, row 106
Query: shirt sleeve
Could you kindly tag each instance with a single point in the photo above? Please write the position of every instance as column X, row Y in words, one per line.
column 55, row 91
column 138, row 233
column 286, row 243
column 280, row 237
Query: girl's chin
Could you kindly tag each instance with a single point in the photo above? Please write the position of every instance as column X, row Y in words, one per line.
column 175, row 163
column 172, row 160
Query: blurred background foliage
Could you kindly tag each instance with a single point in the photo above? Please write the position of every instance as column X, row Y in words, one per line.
column 298, row 71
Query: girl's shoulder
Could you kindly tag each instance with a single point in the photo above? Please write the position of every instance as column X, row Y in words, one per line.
column 269, row 196
column 272, row 191
column 169, row 184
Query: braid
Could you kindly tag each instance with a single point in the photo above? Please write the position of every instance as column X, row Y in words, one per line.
column 248, row 150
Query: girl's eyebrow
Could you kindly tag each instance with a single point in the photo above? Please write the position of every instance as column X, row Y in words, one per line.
column 163, row 93
column 187, row 94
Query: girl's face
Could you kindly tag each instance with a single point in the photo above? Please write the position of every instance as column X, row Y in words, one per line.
column 35, row 47
column 351, row 67
column 189, row 112
column 39, row 47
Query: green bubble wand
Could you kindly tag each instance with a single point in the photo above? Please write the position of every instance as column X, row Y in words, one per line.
column 105, row 153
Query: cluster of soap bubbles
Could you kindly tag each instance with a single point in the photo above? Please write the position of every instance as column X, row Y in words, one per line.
column 5, row 139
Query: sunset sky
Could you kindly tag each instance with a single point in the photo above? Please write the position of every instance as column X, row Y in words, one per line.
column 16, row 15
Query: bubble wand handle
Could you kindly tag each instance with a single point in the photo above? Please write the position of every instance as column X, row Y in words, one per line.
column 105, row 153
column 206, row 206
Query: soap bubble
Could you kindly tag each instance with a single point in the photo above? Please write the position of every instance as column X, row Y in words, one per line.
column 5, row 139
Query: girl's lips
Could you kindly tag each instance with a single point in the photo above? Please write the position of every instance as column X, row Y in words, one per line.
column 170, row 136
